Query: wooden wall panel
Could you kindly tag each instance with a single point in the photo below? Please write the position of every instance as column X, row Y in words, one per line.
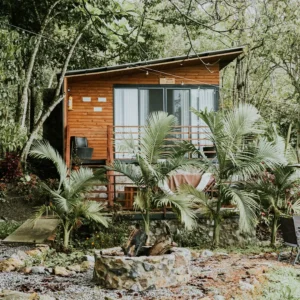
column 83, row 121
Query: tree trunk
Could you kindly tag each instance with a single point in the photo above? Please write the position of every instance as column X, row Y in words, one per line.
column 24, row 98
column 67, row 232
column 57, row 99
column 217, row 225
column 274, row 229
column 38, row 127
column 216, row 232
column 147, row 222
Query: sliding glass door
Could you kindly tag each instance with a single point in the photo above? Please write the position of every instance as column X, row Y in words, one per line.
column 132, row 106
column 151, row 100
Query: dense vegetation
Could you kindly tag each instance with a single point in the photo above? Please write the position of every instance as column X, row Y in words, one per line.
column 40, row 39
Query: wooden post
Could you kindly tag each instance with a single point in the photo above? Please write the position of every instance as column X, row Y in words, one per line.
column 68, row 147
column 110, row 159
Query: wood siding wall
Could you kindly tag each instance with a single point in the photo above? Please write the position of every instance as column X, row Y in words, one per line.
column 83, row 121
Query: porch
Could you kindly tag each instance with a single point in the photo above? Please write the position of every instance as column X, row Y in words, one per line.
column 106, row 143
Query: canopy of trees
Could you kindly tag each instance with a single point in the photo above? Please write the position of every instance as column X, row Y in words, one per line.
column 40, row 39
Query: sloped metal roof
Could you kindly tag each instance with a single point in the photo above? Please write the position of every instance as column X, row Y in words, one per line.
column 203, row 55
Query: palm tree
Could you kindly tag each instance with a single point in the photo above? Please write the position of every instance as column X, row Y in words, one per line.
column 155, row 162
column 68, row 201
column 272, row 188
column 241, row 153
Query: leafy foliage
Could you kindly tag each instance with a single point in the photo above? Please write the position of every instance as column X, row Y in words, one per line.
column 154, row 165
column 10, row 168
column 240, row 155
column 67, row 201
column 8, row 227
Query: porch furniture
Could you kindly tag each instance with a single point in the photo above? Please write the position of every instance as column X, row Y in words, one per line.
column 81, row 148
column 290, row 228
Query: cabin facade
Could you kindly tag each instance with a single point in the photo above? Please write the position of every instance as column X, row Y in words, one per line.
column 106, row 104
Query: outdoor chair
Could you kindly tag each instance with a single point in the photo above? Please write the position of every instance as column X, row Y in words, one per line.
column 81, row 148
column 290, row 228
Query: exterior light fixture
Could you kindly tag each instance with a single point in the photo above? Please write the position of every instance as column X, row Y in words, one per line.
column 70, row 103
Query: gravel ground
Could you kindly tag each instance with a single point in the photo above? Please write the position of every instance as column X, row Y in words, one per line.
column 220, row 276
column 79, row 286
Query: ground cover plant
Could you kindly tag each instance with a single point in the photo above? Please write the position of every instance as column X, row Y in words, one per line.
column 8, row 227
column 282, row 283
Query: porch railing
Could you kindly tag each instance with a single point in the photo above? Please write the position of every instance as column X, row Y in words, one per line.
column 120, row 190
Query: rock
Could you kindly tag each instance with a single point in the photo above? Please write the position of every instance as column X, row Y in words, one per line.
column 116, row 251
column 75, row 268
column 10, row 264
column 14, row 295
column 38, row 270
column 84, row 266
column 49, row 270
column 61, row 271
column 46, row 297
column 15, row 256
column 144, row 272
column 89, row 258
column 222, row 254
column 207, row 253
column 194, row 254
column 34, row 253
column 246, row 286
column 26, row 270
column 43, row 248
column 22, row 255
column 219, row 297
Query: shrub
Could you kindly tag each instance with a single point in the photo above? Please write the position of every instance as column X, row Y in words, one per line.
column 6, row 228
column 29, row 187
column 3, row 189
column 10, row 167
column 116, row 234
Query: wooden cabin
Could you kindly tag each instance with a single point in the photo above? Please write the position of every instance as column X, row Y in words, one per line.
column 105, row 104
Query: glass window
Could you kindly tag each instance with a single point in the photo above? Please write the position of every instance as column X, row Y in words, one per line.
column 201, row 99
column 126, row 118
column 132, row 106
column 150, row 100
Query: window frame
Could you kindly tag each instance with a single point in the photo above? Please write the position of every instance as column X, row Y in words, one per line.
column 165, row 87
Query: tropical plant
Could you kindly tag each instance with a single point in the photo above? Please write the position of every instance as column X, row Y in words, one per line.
column 240, row 154
column 273, row 189
column 155, row 162
column 68, row 201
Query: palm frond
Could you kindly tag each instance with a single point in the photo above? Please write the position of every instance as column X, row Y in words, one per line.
column 92, row 211
column 242, row 121
column 270, row 153
column 157, row 128
column 246, row 205
column 133, row 172
column 62, row 205
column 199, row 199
column 296, row 207
column 80, row 181
column 38, row 213
column 42, row 149
column 140, row 201
column 183, row 207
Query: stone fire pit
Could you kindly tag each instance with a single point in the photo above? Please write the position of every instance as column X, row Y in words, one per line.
column 141, row 273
